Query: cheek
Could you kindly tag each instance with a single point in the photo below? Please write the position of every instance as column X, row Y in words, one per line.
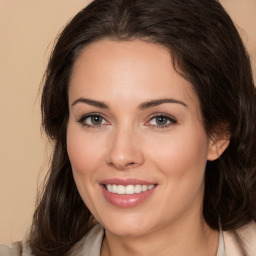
column 182, row 156
column 181, row 161
column 85, row 157
column 83, row 150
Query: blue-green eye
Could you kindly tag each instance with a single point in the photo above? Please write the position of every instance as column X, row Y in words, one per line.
column 161, row 121
column 92, row 120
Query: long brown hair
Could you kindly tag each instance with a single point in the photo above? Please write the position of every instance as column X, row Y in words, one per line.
column 207, row 50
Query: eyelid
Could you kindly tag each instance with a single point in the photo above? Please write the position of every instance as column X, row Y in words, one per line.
column 85, row 116
column 172, row 120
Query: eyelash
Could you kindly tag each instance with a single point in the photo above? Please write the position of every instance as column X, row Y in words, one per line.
column 84, row 117
column 169, row 118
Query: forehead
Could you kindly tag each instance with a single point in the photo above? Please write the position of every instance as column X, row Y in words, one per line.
column 114, row 70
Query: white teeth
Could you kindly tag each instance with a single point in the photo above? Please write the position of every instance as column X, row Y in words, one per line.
column 149, row 187
column 144, row 188
column 113, row 188
column 137, row 189
column 129, row 189
column 109, row 188
column 120, row 189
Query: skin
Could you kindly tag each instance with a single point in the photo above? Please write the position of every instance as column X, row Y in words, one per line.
column 128, row 143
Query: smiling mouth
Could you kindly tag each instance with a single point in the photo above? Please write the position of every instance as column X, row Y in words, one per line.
column 128, row 189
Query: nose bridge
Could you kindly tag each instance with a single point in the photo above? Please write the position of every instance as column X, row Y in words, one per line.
column 124, row 150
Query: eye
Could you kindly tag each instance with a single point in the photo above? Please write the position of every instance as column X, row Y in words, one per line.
column 161, row 121
column 92, row 120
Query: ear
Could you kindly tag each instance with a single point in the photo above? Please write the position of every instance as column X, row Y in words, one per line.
column 216, row 147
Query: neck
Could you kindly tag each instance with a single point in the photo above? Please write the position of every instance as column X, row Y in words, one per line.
column 187, row 238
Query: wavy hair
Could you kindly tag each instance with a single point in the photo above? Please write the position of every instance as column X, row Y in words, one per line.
column 207, row 50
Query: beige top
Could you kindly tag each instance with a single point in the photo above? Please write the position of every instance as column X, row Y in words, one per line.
column 90, row 244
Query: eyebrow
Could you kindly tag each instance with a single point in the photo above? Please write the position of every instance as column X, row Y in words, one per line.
column 142, row 106
column 94, row 103
column 157, row 102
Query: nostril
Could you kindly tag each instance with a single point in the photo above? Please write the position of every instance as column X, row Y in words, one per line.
column 123, row 165
column 122, row 158
column 131, row 163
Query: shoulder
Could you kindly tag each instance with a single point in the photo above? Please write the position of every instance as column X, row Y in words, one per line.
column 90, row 244
column 248, row 235
column 17, row 249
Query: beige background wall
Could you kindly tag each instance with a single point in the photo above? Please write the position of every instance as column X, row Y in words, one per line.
column 27, row 31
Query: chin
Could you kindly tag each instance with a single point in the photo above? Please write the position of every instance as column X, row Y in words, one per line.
column 128, row 226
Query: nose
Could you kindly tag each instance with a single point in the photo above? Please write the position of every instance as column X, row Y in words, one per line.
column 125, row 150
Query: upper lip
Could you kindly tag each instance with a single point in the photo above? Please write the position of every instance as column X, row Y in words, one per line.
column 125, row 182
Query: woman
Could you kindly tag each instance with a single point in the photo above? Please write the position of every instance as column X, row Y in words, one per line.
column 151, row 106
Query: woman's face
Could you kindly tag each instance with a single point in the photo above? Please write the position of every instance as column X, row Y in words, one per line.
column 135, row 129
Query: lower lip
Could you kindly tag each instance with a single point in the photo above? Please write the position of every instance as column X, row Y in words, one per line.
column 127, row 201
